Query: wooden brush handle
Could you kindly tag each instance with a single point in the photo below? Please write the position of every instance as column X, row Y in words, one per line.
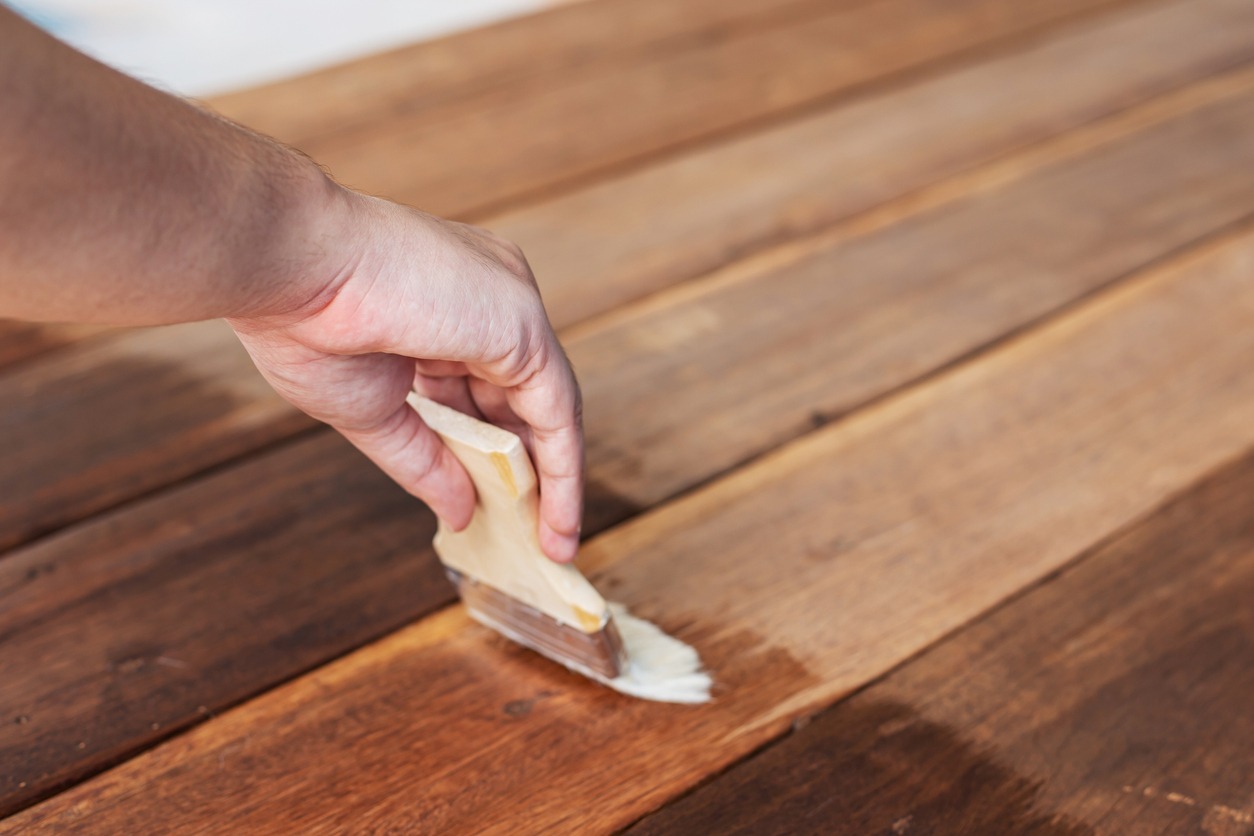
column 501, row 546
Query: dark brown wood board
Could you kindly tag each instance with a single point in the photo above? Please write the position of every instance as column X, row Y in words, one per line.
column 1033, row 454
column 105, row 420
column 746, row 397
column 453, row 160
column 1113, row 699
column 131, row 627
column 887, row 312
column 73, row 417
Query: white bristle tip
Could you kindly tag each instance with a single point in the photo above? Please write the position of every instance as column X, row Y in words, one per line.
column 659, row 667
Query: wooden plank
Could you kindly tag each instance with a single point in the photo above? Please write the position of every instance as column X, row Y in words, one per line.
column 649, row 229
column 1113, row 699
column 464, row 159
column 47, row 491
column 378, row 88
column 759, row 357
column 512, row 55
column 102, row 421
column 142, row 623
column 732, row 382
column 20, row 341
column 971, row 487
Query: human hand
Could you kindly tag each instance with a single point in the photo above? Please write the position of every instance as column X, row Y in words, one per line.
column 397, row 300
column 345, row 302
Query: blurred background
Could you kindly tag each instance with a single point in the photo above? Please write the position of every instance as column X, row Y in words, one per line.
column 200, row 48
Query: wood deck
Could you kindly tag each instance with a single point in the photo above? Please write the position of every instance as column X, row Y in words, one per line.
column 917, row 341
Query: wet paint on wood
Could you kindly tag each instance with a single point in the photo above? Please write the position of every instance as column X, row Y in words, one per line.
column 759, row 402
column 1111, row 699
column 1125, row 403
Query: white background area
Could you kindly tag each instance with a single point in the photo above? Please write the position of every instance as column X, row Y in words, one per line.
column 200, row 47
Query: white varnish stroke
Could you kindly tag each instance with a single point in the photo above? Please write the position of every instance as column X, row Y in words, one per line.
column 659, row 667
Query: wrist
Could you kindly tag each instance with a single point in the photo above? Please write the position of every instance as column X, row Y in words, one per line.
column 304, row 254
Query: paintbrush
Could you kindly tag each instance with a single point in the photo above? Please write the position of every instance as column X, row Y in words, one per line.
column 508, row 584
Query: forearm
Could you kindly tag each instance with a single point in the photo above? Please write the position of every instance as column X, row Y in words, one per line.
column 122, row 204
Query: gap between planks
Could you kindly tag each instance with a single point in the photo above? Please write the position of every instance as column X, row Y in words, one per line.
column 1091, row 137
column 281, row 109
column 1102, row 301
column 470, row 38
column 979, row 180
column 1221, row 153
column 725, row 96
column 610, row 33
column 1113, row 733
column 799, row 724
column 776, row 250
column 446, row 646
column 885, row 400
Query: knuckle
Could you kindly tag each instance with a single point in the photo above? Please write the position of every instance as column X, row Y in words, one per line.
column 506, row 252
column 517, row 266
column 513, row 259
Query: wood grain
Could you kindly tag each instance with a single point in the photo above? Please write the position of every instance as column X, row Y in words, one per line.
column 512, row 55
column 103, row 421
column 142, row 622
column 689, row 387
column 611, row 34
column 715, row 366
column 465, row 159
column 1113, row 699
column 377, row 90
column 655, row 227
column 80, row 453
column 967, row 488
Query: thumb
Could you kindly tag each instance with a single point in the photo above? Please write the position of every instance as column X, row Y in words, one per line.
column 416, row 458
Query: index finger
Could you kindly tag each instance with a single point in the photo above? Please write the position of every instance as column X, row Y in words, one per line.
column 549, row 403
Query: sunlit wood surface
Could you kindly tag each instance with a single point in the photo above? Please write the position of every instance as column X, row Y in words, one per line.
column 917, row 342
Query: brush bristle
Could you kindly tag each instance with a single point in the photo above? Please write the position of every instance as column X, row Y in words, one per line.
column 660, row 667
column 599, row 654
column 628, row 654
